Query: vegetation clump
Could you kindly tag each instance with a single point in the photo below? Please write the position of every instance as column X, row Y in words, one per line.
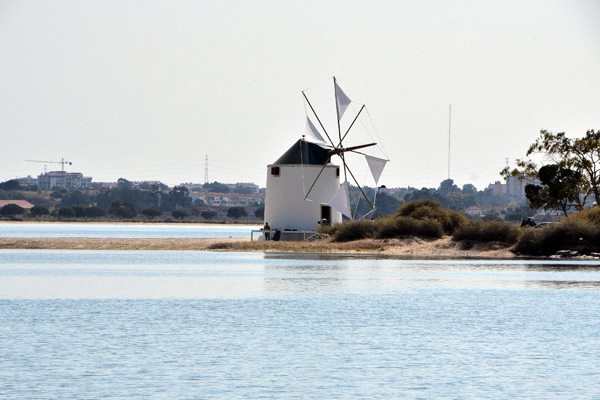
column 449, row 220
column 406, row 226
column 487, row 231
column 574, row 234
column 421, row 218
column 354, row 230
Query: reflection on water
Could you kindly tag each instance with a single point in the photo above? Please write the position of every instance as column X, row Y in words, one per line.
column 172, row 274
column 303, row 278
column 194, row 325
column 122, row 230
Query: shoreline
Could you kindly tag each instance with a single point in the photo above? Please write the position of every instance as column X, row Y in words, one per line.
column 409, row 248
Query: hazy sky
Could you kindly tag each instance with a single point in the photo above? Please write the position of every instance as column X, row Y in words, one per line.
column 145, row 89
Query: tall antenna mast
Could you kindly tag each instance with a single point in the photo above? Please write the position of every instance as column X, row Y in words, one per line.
column 206, row 168
column 449, row 136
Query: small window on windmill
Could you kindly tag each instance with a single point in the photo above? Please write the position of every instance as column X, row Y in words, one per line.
column 275, row 171
column 337, row 172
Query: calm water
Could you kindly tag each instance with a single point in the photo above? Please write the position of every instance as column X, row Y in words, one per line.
column 123, row 230
column 190, row 325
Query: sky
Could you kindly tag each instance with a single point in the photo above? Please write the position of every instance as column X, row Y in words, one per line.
column 144, row 90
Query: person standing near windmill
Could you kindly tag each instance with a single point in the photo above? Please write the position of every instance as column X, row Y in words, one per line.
column 267, row 230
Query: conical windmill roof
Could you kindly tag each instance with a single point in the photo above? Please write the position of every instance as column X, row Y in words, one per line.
column 303, row 152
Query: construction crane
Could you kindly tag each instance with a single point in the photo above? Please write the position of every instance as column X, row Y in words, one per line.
column 62, row 163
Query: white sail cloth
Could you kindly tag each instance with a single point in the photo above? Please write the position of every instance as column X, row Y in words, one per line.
column 341, row 200
column 312, row 133
column 343, row 101
column 376, row 165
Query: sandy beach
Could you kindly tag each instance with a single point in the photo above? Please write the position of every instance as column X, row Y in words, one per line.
column 401, row 248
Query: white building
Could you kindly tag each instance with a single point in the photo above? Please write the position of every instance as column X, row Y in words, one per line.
column 290, row 178
column 64, row 180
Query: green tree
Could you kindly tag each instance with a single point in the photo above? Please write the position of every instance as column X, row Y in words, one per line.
column 66, row 212
column 75, row 198
column 208, row 214
column 579, row 155
column 79, row 211
column 151, row 212
column 260, row 212
column 36, row 211
column 122, row 209
column 236, row 212
column 11, row 184
column 216, row 187
column 179, row 214
column 94, row 212
column 559, row 189
column 10, row 210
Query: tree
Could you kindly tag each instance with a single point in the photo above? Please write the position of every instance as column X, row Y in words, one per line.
column 151, row 212
column 447, row 186
column 79, row 211
column 216, row 187
column 580, row 156
column 75, row 198
column 94, row 212
column 559, row 189
column 11, row 210
column 179, row 214
column 36, row 211
column 11, row 184
column 66, row 212
column 208, row 214
column 122, row 209
column 469, row 189
column 236, row 212
column 260, row 212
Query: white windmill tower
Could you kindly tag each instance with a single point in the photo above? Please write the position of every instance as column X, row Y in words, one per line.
column 304, row 187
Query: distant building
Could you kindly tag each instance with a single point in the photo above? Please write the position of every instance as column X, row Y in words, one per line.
column 514, row 186
column 27, row 181
column 226, row 199
column 64, row 180
column 244, row 187
column 497, row 187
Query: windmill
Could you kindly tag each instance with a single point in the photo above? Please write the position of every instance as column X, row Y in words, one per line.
column 304, row 186
column 341, row 199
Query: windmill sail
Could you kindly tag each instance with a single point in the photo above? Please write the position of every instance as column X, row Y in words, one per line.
column 343, row 101
column 341, row 200
column 313, row 134
column 376, row 165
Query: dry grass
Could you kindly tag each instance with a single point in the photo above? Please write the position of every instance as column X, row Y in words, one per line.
column 410, row 247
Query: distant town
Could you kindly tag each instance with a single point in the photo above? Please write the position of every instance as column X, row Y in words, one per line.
column 72, row 195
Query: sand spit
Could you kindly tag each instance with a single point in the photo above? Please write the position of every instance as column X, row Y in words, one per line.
column 398, row 248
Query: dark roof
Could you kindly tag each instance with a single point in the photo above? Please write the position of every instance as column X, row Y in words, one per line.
column 303, row 152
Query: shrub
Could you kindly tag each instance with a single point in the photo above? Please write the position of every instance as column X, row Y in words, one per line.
column 11, row 209
column 208, row 214
column 487, row 231
column 589, row 215
column 94, row 211
column 236, row 212
column 354, row 230
column 39, row 210
column 179, row 214
column 568, row 235
column 122, row 209
column 66, row 212
column 328, row 229
column 151, row 212
column 405, row 226
column 79, row 211
column 422, row 209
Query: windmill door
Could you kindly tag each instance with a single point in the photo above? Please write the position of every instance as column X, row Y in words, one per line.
column 325, row 214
